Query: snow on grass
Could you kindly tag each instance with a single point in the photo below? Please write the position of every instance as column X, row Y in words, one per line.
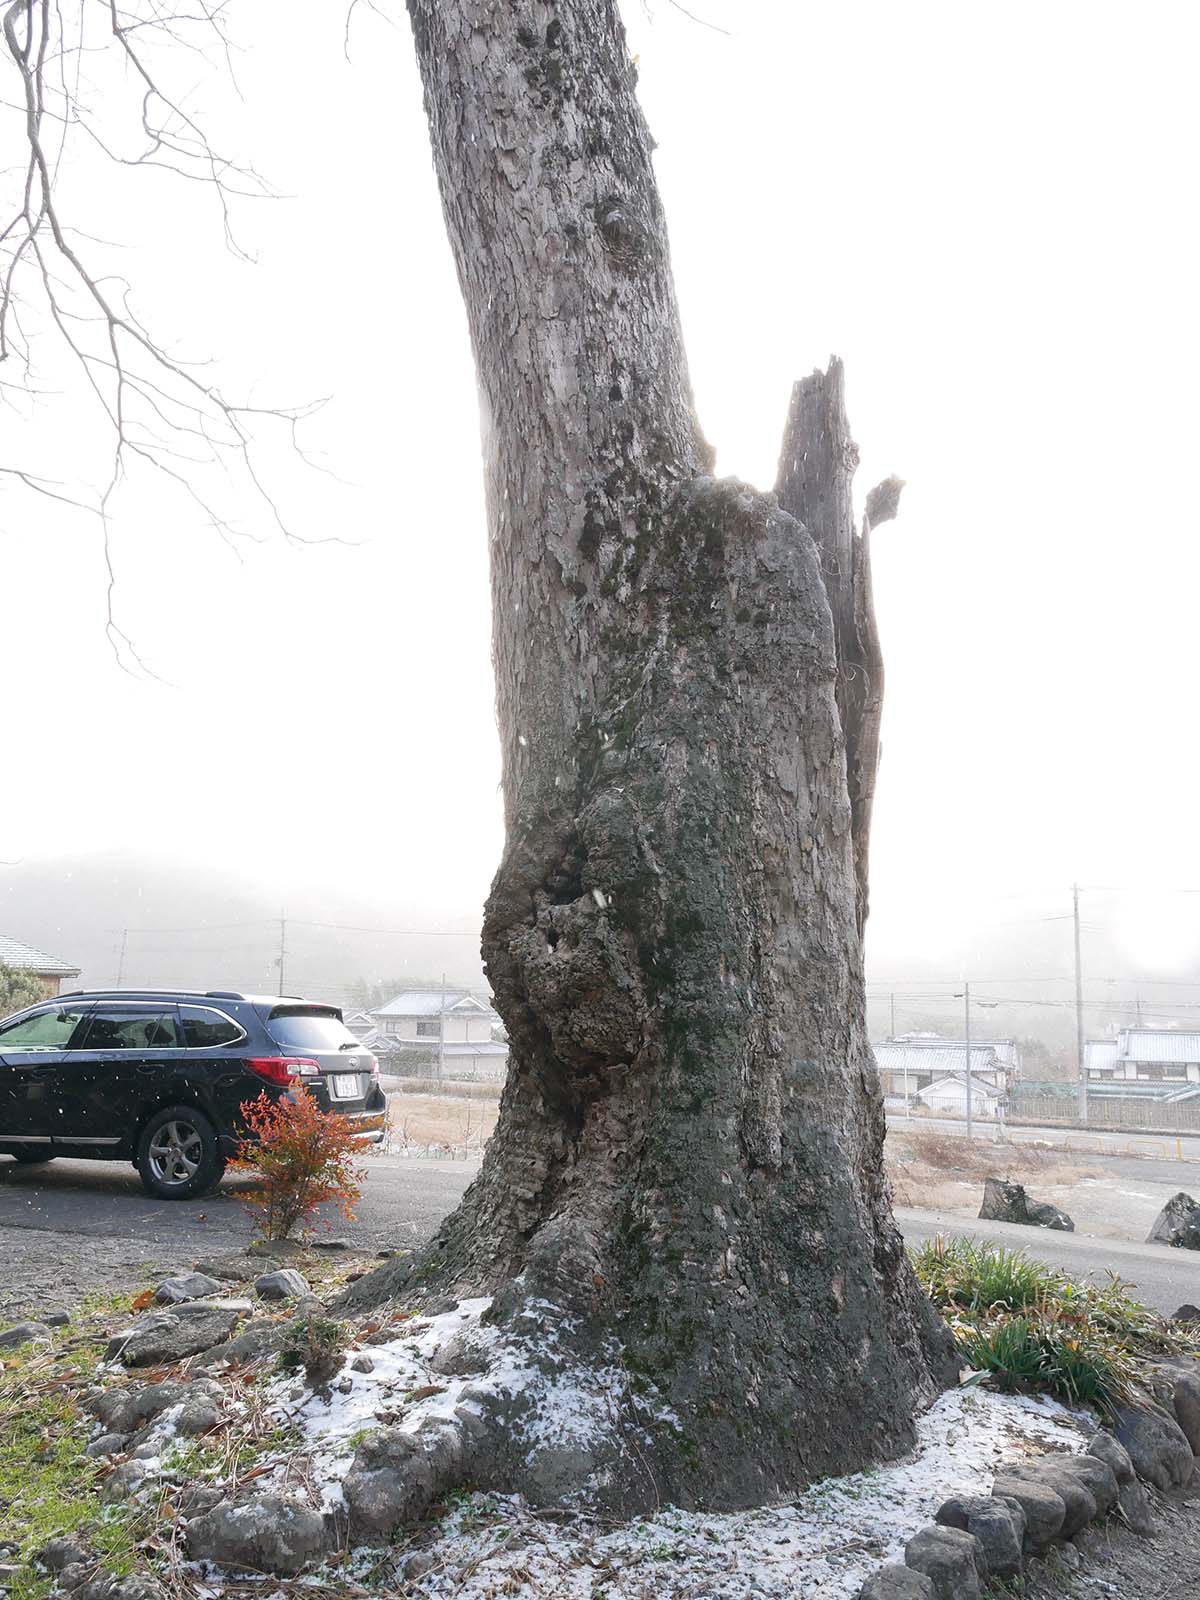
column 822, row 1546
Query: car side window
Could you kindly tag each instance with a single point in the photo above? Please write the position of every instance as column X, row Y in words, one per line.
column 120, row 1028
column 47, row 1030
column 206, row 1029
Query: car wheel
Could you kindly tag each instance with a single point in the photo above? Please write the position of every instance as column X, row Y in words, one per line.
column 178, row 1154
column 31, row 1158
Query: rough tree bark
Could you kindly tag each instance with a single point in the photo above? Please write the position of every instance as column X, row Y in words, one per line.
column 687, row 1168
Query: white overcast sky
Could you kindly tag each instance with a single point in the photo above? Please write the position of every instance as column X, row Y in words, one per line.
column 987, row 210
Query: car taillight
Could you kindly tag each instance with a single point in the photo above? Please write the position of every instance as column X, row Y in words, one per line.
column 374, row 1067
column 283, row 1070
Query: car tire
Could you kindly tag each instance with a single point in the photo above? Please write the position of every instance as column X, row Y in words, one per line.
column 31, row 1158
column 179, row 1156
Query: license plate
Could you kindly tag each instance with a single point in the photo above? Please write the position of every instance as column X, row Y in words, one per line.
column 345, row 1086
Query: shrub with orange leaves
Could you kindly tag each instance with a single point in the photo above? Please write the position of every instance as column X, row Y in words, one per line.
column 304, row 1158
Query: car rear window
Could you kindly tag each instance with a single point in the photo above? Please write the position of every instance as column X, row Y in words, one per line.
column 309, row 1030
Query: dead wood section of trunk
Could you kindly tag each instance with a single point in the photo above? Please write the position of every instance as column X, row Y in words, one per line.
column 686, row 1177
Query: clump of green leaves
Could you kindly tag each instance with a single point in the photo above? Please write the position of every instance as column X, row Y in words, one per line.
column 1031, row 1327
column 314, row 1345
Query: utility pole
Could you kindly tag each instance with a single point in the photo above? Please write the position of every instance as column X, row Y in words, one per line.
column 1079, row 1053
column 893, row 1014
column 282, row 947
column 442, row 1036
column 121, row 957
column 967, row 1030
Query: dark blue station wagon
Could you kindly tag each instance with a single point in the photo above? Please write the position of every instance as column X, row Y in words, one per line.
column 159, row 1078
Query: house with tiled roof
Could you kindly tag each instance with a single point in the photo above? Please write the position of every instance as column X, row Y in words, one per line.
column 50, row 971
column 1155, row 1063
column 448, row 1033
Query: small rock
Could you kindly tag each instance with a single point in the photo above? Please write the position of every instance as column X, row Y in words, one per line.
column 345, row 1386
column 9, row 1573
column 362, row 1363
column 230, row 1269
column 108, row 1444
column 1134, row 1505
column 75, row 1576
column 331, row 1244
column 264, row 1535
column 950, row 1559
column 1007, row 1202
column 134, row 1587
column 194, row 1499
column 1157, row 1446
column 1044, row 1509
column 895, row 1582
column 1178, row 1224
column 23, row 1333
column 1185, row 1313
column 188, row 1286
column 56, row 1319
column 123, row 1482
column 62, row 1552
column 285, row 1284
column 385, row 1255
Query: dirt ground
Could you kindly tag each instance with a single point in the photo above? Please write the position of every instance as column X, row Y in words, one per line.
column 946, row 1173
column 424, row 1124
column 1112, row 1563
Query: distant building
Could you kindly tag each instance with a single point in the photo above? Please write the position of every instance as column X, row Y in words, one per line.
column 948, row 1096
column 48, row 970
column 910, row 1066
column 424, row 1032
column 1144, row 1062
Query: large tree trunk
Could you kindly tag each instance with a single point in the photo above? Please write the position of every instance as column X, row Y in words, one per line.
column 686, row 1181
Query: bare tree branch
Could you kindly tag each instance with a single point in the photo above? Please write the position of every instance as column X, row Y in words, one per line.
column 165, row 420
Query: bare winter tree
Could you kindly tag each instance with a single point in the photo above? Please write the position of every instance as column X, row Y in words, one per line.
column 683, row 1205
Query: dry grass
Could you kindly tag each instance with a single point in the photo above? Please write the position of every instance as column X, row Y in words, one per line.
column 932, row 1170
column 439, row 1125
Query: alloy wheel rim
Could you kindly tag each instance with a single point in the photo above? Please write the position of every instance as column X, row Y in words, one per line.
column 175, row 1154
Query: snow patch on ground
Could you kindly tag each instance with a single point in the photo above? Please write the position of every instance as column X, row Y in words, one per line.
column 567, row 1406
column 822, row 1546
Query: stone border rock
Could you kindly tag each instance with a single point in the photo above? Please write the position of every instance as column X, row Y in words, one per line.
column 1035, row 1504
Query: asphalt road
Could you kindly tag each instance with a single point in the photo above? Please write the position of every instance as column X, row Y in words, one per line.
column 403, row 1201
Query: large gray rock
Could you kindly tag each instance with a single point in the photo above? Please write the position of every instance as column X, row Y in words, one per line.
column 194, row 1405
column 23, row 1333
column 1185, row 1402
column 230, row 1269
column 1133, row 1504
column 1157, row 1446
column 256, row 1340
column 1108, row 1449
column 997, row 1525
column 1097, row 1476
column 950, row 1559
column 161, row 1337
column 1045, row 1511
column 270, row 1534
column 895, row 1582
column 285, row 1284
column 395, row 1476
column 1079, row 1506
column 1178, row 1223
column 1004, row 1201
column 187, row 1286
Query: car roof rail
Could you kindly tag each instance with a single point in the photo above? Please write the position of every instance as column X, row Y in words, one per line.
column 223, row 994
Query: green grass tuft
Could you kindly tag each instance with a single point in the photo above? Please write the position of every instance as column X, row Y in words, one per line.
column 1031, row 1327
